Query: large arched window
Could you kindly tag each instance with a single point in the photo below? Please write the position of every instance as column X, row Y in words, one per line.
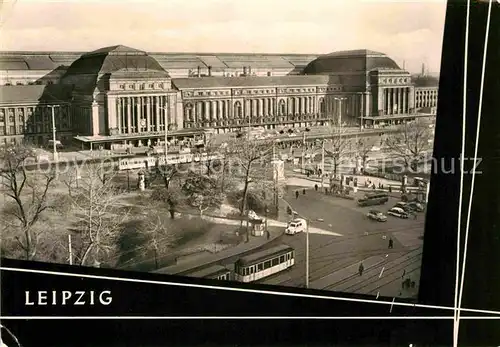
column 189, row 112
column 322, row 105
column 237, row 110
column 282, row 107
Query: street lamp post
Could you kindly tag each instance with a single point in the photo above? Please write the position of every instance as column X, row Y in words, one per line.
column 362, row 111
column 307, row 253
column 322, row 162
column 54, row 146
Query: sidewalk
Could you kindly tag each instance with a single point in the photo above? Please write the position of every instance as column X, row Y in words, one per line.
column 395, row 185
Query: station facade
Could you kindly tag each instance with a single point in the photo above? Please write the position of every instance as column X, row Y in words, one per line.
column 120, row 96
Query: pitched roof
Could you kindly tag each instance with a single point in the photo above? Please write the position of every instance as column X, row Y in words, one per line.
column 353, row 53
column 127, row 73
column 251, row 81
column 118, row 49
column 361, row 60
column 34, row 93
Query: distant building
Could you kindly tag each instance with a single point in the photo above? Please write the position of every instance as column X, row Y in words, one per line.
column 120, row 96
column 426, row 94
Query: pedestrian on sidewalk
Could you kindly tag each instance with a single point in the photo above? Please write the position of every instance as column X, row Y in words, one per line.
column 391, row 244
column 316, row 187
column 404, row 273
column 361, row 269
column 303, row 191
column 296, row 194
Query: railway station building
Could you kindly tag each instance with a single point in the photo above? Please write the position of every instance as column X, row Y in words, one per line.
column 120, row 96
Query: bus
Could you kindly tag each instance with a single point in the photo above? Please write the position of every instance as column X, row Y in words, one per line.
column 373, row 199
column 264, row 263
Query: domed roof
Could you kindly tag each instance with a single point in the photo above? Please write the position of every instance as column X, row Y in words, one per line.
column 114, row 58
column 361, row 60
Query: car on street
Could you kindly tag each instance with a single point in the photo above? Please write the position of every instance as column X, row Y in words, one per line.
column 295, row 226
column 416, row 206
column 377, row 216
column 404, row 206
column 410, row 207
column 398, row 212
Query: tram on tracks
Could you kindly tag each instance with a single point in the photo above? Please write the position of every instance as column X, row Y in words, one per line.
column 145, row 162
column 215, row 272
column 264, row 263
column 249, row 268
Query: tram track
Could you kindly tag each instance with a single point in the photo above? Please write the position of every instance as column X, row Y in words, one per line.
column 345, row 286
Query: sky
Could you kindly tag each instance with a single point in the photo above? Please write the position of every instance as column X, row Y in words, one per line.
column 409, row 31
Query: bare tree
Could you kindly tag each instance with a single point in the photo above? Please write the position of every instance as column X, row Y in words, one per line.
column 211, row 156
column 411, row 142
column 167, row 174
column 363, row 149
column 202, row 192
column 158, row 238
column 337, row 147
column 251, row 157
column 28, row 191
column 95, row 205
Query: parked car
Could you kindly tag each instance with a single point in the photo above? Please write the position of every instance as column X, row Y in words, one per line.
column 416, row 206
column 398, row 212
column 377, row 216
column 405, row 207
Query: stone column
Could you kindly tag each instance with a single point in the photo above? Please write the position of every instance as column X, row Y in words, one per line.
column 391, row 101
column 147, row 101
column 361, row 104
column 367, row 104
column 245, row 108
column 400, row 98
column 206, row 110
column 157, row 113
column 411, row 98
column 129, row 114
column 112, row 115
column 404, row 100
column 118, row 106
column 380, row 100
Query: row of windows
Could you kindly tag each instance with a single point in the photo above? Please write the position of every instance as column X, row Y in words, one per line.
column 224, row 277
column 142, row 86
column 245, row 271
column 31, row 83
column 12, row 130
column 28, row 128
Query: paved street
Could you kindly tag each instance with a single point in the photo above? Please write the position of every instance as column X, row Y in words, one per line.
column 334, row 260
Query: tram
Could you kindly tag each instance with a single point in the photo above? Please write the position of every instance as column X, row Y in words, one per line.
column 216, row 272
column 264, row 263
column 151, row 162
